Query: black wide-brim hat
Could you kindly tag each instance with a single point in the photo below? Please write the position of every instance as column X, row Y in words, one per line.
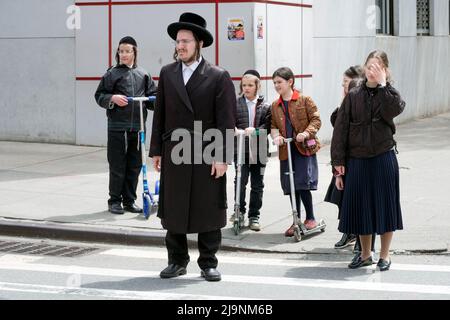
column 193, row 22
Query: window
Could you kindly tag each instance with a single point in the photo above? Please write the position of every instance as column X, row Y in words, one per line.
column 385, row 17
column 423, row 17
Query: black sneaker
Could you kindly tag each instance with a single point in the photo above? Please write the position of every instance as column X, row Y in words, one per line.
column 115, row 208
column 346, row 240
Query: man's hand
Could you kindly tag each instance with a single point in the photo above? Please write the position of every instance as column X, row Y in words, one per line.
column 120, row 100
column 157, row 163
column 218, row 169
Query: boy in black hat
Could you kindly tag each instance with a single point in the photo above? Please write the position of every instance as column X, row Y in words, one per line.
column 193, row 196
column 123, row 80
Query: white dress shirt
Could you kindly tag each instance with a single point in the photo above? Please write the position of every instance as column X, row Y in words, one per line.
column 189, row 70
column 251, row 106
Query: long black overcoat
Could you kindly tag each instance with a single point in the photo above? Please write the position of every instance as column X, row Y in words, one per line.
column 191, row 200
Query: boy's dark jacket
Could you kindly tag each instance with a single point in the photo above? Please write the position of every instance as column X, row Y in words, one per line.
column 130, row 82
column 262, row 120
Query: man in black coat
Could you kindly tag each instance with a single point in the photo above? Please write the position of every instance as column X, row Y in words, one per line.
column 192, row 93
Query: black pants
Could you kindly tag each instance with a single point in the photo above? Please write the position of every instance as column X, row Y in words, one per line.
column 306, row 197
column 208, row 245
column 124, row 166
column 256, row 172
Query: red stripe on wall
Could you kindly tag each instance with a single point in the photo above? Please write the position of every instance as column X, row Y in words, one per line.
column 217, row 33
column 124, row 3
column 232, row 78
column 110, row 32
column 298, row 76
column 88, row 78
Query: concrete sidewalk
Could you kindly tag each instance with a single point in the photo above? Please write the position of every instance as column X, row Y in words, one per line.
column 60, row 191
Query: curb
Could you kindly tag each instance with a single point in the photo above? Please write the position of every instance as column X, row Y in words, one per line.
column 65, row 231
column 82, row 233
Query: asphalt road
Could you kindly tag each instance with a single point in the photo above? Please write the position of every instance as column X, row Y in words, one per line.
column 123, row 272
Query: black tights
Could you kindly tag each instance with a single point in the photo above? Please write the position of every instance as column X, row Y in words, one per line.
column 306, row 197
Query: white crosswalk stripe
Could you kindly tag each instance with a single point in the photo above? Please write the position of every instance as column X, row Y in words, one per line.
column 11, row 262
column 156, row 254
column 105, row 293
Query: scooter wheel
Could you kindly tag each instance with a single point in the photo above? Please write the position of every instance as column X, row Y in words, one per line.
column 236, row 227
column 322, row 225
column 157, row 187
column 297, row 235
column 154, row 209
column 146, row 206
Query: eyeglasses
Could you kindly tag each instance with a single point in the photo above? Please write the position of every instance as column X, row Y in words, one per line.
column 123, row 52
column 183, row 41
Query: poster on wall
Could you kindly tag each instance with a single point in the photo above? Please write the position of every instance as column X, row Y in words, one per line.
column 236, row 29
column 259, row 28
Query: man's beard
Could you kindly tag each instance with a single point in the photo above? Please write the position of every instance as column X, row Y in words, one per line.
column 191, row 59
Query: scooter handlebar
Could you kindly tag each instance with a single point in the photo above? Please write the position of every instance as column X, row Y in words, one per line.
column 150, row 98
column 242, row 131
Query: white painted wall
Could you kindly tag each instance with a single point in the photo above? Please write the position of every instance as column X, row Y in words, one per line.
column 439, row 11
column 44, row 57
column 156, row 48
column 37, row 83
column 419, row 64
column 405, row 18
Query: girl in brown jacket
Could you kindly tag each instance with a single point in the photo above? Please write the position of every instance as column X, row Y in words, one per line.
column 296, row 116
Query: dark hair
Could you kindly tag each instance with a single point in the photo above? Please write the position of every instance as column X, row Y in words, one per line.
column 354, row 83
column 197, row 49
column 354, row 72
column 382, row 56
column 134, row 50
column 285, row 73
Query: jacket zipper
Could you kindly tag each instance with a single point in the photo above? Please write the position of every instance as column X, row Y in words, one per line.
column 132, row 102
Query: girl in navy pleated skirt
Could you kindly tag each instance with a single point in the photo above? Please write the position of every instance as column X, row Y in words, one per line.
column 362, row 149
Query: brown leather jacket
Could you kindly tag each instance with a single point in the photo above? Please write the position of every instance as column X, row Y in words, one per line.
column 364, row 126
column 304, row 117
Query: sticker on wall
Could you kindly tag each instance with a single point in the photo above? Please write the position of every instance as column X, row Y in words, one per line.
column 260, row 28
column 236, row 29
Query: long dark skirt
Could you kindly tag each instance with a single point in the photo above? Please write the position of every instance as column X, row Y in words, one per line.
column 371, row 199
column 306, row 172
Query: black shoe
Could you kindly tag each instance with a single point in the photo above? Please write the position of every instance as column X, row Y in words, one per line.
column 115, row 208
column 359, row 262
column 346, row 240
column 356, row 256
column 383, row 265
column 132, row 208
column 211, row 274
column 357, row 247
column 172, row 271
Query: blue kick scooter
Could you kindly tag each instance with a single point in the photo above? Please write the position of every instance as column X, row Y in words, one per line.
column 150, row 201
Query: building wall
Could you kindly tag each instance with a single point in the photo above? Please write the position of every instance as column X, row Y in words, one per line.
column 37, row 84
column 156, row 48
column 342, row 39
column 60, row 68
